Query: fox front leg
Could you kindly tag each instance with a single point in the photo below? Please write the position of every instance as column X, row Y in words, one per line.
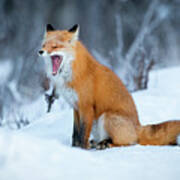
column 76, row 128
column 86, row 121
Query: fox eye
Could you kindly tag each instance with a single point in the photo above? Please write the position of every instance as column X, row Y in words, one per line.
column 54, row 46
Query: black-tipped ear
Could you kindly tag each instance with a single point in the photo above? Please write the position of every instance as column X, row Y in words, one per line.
column 74, row 28
column 49, row 27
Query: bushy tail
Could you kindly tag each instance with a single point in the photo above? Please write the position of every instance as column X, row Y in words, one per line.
column 165, row 133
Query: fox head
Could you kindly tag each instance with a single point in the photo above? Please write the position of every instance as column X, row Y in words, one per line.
column 58, row 49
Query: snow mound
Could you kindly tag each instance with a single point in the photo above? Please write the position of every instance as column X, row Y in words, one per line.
column 42, row 150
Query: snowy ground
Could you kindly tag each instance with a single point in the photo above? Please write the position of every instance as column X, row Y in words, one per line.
column 42, row 151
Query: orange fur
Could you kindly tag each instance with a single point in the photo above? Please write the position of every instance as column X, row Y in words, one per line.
column 101, row 92
column 160, row 134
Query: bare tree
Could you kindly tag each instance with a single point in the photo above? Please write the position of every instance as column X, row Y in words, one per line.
column 137, row 64
column 123, row 35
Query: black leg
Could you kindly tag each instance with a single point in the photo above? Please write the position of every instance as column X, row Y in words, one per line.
column 76, row 129
column 82, row 131
column 75, row 137
column 82, row 135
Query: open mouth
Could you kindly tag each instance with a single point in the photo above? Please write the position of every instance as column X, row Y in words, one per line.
column 56, row 62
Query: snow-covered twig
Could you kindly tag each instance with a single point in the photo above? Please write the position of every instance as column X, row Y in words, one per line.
column 119, row 35
column 145, row 29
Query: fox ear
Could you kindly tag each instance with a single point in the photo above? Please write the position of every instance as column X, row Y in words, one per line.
column 49, row 27
column 74, row 28
column 75, row 31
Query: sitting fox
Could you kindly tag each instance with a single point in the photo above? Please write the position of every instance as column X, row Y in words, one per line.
column 102, row 104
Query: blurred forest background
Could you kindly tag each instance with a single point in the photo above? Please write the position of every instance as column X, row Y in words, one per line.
column 129, row 36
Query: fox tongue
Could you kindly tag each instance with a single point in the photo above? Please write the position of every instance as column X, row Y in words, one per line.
column 56, row 61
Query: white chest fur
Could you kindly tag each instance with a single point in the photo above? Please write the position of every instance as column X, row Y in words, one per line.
column 68, row 93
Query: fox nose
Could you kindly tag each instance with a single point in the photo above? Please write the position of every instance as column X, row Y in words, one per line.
column 41, row 52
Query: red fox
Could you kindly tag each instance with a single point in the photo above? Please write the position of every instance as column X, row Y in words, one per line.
column 102, row 104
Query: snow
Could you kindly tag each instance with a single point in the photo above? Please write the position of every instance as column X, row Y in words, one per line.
column 42, row 150
column 178, row 140
column 5, row 70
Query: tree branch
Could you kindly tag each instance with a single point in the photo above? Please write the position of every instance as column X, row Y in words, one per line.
column 143, row 31
column 119, row 35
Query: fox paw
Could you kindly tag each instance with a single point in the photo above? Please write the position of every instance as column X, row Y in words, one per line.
column 104, row 144
column 92, row 144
